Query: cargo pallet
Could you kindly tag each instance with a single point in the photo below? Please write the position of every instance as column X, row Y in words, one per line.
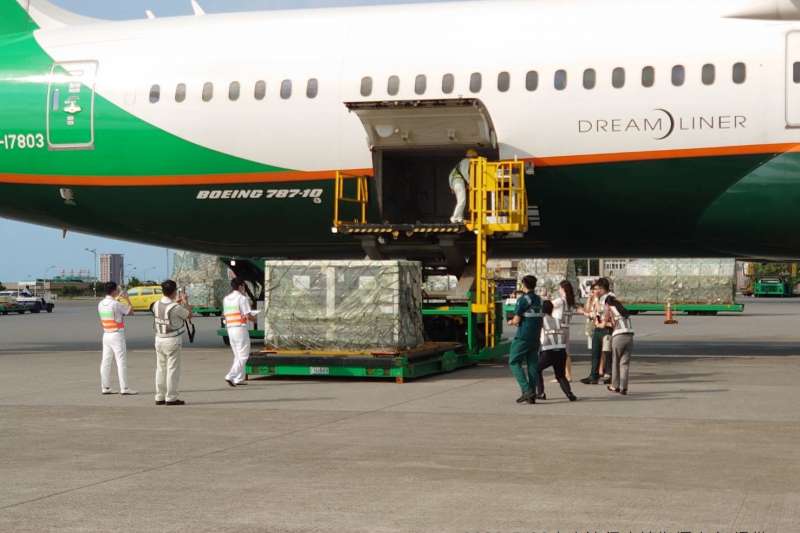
column 435, row 357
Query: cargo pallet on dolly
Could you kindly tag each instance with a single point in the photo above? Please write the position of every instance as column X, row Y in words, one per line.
column 433, row 357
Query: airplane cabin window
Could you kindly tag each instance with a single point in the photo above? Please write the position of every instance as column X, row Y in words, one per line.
column 366, row 86
column 589, row 78
column 234, row 91
column 448, row 83
column 648, row 76
column 796, row 72
column 260, row 90
column 709, row 73
column 739, row 73
column 312, row 89
column 155, row 94
column 393, row 87
column 286, row 89
column 180, row 92
column 208, row 91
column 532, row 80
column 420, row 84
column 678, row 75
column 475, row 82
column 618, row 78
column 503, row 82
column 560, row 80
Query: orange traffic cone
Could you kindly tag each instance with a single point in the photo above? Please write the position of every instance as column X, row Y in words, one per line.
column 669, row 319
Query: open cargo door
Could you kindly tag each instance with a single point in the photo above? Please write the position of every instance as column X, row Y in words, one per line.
column 415, row 146
column 426, row 124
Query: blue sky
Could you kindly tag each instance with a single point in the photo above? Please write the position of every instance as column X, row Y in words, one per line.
column 28, row 251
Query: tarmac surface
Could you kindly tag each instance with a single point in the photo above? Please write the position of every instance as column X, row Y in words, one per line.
column 708, row 440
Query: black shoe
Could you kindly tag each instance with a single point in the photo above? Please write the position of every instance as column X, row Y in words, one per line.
column 624, row 392
column 589, row 381
column 572, row 398
column 175, row 402
column 542, row 396
column 607, row 381
column 522, row 399
column 160, row 402
column 231, row 383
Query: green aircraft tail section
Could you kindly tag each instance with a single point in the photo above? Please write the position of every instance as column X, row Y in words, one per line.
column 14, row 18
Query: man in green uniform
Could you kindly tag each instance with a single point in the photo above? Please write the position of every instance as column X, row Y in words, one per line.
column 525, row 347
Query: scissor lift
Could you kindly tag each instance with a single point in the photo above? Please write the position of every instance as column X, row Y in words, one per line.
column 473, row 319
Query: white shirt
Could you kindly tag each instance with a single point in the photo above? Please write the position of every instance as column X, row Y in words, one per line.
column 237, row 301
column 560, row 308
column 115, row 308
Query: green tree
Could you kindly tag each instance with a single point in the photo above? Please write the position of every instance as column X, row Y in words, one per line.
column 2, row 287
column 134, row 282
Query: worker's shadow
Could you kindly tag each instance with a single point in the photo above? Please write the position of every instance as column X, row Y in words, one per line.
column 648, row 396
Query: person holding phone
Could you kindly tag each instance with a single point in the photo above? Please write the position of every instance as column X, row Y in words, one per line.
column 238, row 317
column 170, row 315
column 112, row 314
column 619, row 320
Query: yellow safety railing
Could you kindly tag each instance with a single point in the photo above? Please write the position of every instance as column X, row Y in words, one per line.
column 498, row 201
column 498, row 204
column 361, row 197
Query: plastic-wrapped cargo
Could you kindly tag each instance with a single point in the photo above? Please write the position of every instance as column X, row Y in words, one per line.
column 549, row 273
column 204, row 277
column 343, row 305
column 685, row 281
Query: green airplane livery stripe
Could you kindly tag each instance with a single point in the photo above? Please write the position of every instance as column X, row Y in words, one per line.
column 124, row 146
column 14, row 19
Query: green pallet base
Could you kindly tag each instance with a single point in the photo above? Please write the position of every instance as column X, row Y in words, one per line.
column 206, row 311
column 255, row 334
column 398, row 368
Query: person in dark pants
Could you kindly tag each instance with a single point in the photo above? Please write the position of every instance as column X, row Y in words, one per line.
column 525, row 346
column 554, row 353
column 600, row 290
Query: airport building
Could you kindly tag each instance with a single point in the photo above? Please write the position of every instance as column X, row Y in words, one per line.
column 112, row 268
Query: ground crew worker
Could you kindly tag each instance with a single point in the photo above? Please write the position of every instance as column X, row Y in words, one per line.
column 459, row 184
column 238, row 316
column 563, row 308
column 618, row 318
column 601, row 290
column 553, row 352
column 525, row 346
column 170, row 315
column 112, row 318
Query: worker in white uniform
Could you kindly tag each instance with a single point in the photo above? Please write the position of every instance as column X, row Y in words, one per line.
column 238, row 316
column 563, row 308
column 112, row 318
column 459, row 184
column 170, row 314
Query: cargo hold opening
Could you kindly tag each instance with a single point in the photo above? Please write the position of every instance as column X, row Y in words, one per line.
column 415, row 145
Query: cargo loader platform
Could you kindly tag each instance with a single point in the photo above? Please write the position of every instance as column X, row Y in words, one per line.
column 429, row 359
column 400, row 230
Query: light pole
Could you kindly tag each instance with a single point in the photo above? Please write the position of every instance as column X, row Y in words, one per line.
column 94, row 284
